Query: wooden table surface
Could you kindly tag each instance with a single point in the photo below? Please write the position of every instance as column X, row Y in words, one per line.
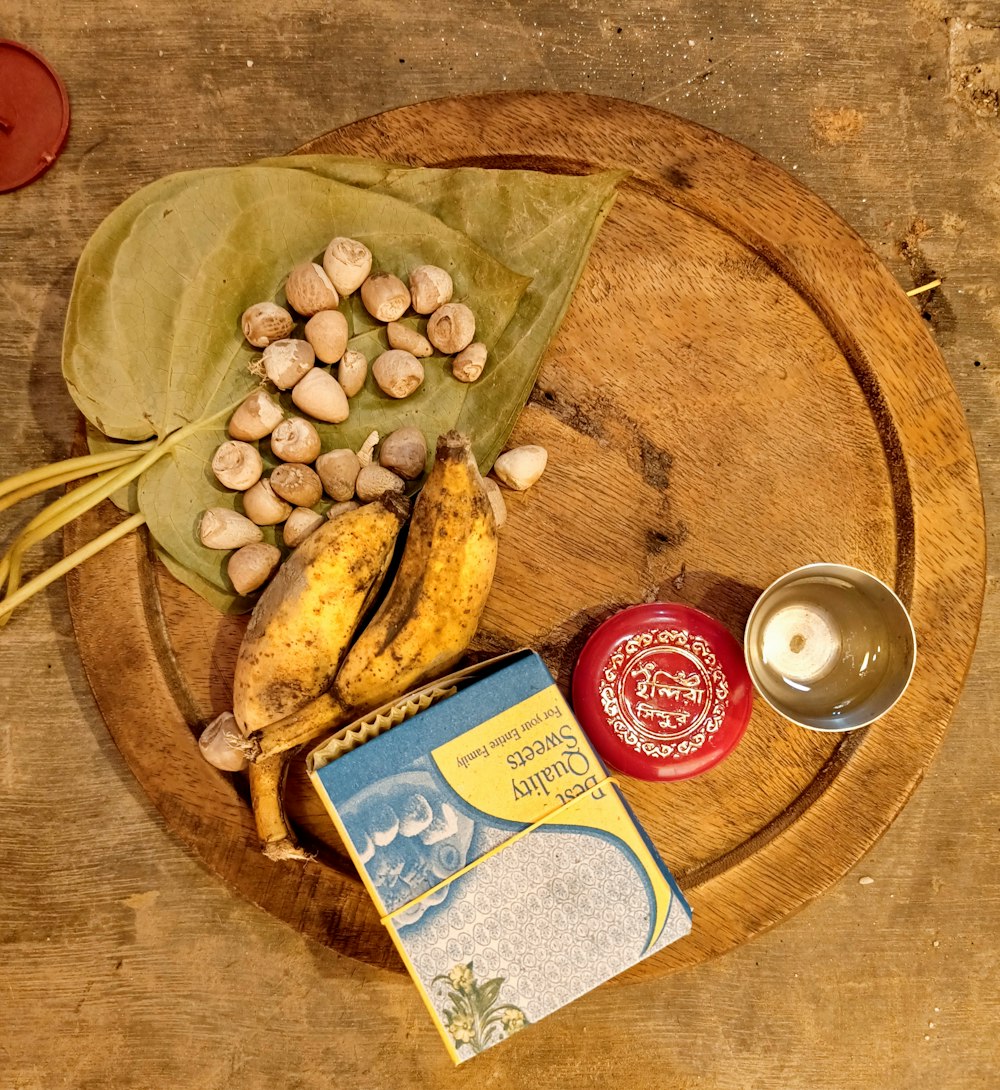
column 126, row 963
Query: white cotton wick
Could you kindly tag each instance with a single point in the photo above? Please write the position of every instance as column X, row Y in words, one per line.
column 801, row 642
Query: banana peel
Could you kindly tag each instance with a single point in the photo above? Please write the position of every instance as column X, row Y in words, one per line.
column 298, row 634
column 430, row 613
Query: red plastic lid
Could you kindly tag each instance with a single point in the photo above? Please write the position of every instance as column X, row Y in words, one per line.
column 662, row 691
column 34, row 115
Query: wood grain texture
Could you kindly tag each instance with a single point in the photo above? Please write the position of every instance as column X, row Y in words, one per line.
column 738, row 388
column 126, row 962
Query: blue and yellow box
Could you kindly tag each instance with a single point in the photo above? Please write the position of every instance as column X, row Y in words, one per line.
column 506, row 864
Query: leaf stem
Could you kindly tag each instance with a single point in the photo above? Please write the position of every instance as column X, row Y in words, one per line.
column 68, row 563
column 47, row 521
column 57, row 479
column 72, row 504
column 69, row 469
column 77, row 503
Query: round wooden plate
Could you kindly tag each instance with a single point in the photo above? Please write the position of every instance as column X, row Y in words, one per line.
column 739, row 388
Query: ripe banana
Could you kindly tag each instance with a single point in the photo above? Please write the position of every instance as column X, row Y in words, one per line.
column 305, row 619
column 430, row 613
column 298, row 634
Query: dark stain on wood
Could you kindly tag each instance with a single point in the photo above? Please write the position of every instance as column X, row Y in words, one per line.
column 674, row 176
column 661, row 540
column 644, row 456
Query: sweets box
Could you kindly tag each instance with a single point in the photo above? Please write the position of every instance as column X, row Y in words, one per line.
column 507, row 866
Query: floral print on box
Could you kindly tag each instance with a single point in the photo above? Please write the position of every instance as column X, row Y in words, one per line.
column 472, row 1012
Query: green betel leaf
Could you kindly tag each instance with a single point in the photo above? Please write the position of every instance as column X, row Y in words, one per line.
column 153, row 336
column 153, row 345
column 178, row 279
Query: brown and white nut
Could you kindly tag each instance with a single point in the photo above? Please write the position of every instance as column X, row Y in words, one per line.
column 257, row 417
column 430, row 287
column 402, row 336
column 221, row 741
column 352, row 372
column 299, row 525
column 264, row 323
column 338, row 470
column 385, row 297
column 223, row 528
column 495, row 495
column 397, row 373
column 287, row 361
column 469, row 363
column 327, row 333
column 366, row 452
column 308, row 290
column 320, row 395
column 263, row 506
column 237, row 465
column 520, row 467
column 404, row 451
column 295, row 440
column 451, row 328
column 374, row 481
column 347, row 263
column 297, row 483
column 338, row 509
column 251, row 567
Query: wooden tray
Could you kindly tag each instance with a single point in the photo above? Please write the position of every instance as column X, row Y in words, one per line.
column 738, row 388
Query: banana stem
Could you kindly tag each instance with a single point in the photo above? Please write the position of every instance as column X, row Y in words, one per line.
column 69, row 469
column 67, row 564
column 277, row 841
column 320, row 715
